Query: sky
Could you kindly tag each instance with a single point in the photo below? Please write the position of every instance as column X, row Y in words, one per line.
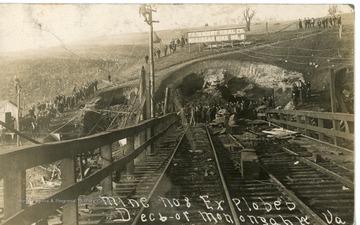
column 33, row 26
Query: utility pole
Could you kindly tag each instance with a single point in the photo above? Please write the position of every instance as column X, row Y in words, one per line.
column 146, row 11
column 18, row 88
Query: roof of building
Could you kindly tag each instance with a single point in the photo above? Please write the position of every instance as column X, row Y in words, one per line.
column 3, row 102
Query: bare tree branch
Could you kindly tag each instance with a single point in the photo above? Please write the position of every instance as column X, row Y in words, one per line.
column 248, row 16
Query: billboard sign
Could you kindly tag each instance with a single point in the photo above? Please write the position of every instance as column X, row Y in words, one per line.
column 221, row 35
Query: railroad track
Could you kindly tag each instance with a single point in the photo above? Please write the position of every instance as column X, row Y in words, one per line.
column 95, row 209
column 203, row 183
column 321, row 187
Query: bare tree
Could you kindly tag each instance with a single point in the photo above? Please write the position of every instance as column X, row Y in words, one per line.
column 248, row 16
column 333, row 10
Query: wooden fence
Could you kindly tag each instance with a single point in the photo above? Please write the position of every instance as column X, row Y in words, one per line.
column 324, row 124
column 13, row 165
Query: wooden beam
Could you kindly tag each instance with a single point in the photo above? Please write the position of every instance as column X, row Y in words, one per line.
column 321, row 124
column 14, row 191
column 106, row 156
column 320, row 115
column 31, row 156
column 19, row 133
column 325, row 131
column 166, row 100
column 129, row 149
column 41, row 210
column 68, row 178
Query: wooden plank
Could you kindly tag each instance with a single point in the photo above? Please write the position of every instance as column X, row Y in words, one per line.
column 14, row 191
column 321, row 115
column 106, row 156
column 28, row 157
column 321, row 124
column 68, row 178
column 332, row 91
column 307, row 122
column 19, row 133
column 37, row 211
column 141, row 140
column 129, row 149
column 325, row 131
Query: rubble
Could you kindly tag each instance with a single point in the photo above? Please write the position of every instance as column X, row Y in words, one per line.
column 280, row 133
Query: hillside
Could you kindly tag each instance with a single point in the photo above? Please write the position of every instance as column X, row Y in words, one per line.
column 44, row 74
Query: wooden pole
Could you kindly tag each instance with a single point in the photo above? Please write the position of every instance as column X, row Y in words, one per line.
column 152, row 70
column 333, row 102
column 166, row 101
column 142, row 93
column 321, row 124
column 267, row 29
column 152, row 75
column 18, row 115
column 106, row 156
column 332, row 91
column 340, row 31
column 274, row 98
column 68, row 177
column 14, row 191
column 130, row 165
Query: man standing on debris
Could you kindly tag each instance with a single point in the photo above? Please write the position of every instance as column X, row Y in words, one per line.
column 295, row 95
column 192, row 115
column 308, row 89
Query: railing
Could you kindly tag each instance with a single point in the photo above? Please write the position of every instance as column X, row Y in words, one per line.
column 324, row 124
column 13, row 165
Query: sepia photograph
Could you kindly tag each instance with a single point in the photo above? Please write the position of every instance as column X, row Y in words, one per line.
column 177, row 113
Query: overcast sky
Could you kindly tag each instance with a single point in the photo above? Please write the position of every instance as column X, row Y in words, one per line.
column 31, row 26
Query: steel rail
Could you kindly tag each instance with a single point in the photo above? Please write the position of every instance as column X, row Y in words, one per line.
column 226, row 190
column 292, row 196
column 322, row 169
column 135, row 188
column 137, row 217
column 341, row 149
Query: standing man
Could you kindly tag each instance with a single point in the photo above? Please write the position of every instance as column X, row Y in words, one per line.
column 165, row 50
column 295, row 95
column 158, row 52
column 300, row 24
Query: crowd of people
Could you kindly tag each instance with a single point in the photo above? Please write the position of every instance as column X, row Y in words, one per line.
column 41, row 114
column 300, row 92
column 244, row 108
column 320, row 22
column 64, row 103
column 170, row 48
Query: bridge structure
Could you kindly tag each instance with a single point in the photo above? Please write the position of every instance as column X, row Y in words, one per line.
column 329, row 129
column 324, row 126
